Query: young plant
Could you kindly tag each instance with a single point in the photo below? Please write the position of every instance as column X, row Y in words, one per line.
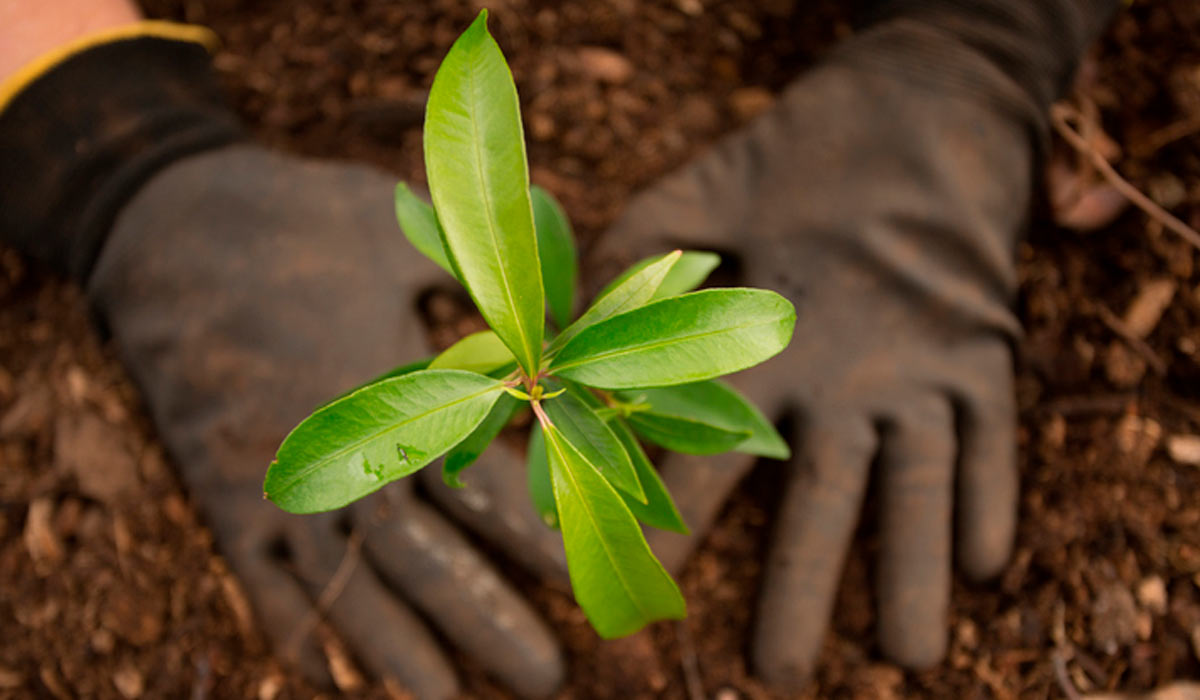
column 642, row 361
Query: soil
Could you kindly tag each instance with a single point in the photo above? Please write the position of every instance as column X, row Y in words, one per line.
column 110, row 586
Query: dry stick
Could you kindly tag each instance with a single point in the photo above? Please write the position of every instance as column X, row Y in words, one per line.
column 1064, row 679
column 687, row 659
column 329, row 595
column 1139, row 346
column 1168, row 135
column 1059, row 114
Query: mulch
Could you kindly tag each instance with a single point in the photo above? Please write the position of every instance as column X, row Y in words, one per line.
column 110, row 586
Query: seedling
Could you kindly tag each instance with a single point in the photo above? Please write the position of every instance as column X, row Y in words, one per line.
column 641, row 361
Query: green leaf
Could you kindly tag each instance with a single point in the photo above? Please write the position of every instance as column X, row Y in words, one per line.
column 659, row 509
column 713, row 404
column 556, row 248
column 385, row 431
column 594, row 441
column 682, row 339
column 629, row 295
column 466, row 452
column 690, row 272
column 481, row 352
column 394, row 372
column 686, row 435
column 541, row 490
column 479, row 180
column 617, row 580
column 420, row 226
column 687, row 274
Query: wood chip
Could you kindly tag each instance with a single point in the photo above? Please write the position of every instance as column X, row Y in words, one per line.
column 269, row 687
column 1152, row 595
column 749, row 102
column 345, row 675
column 1113, row 619
column 605, row 65
column 1146, row 309
column 1184, row 449
column 10, row 678
column 79, row 386
column 1137, row 436
column 235, row 597
column 129, row 682
column 40, row 539
column 53, row 682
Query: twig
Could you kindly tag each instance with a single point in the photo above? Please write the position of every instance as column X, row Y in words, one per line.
column 1167, row 135
column 1064, row 680
column 337, row 582
column 687, row 659
column 329, row 595
column 1059, row 115
column 1139, row 346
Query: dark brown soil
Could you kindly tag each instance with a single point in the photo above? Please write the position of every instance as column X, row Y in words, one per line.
column 110, row 587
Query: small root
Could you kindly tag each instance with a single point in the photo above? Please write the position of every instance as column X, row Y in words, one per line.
column 1060, row 117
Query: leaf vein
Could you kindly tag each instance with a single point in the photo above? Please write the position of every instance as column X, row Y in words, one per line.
column 596, row 527
column 374, row 436
column 658, row 344
column 487, row 203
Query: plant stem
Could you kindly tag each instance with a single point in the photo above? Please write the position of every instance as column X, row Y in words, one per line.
column 541, row 414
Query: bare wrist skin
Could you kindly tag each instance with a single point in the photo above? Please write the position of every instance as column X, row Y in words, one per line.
column 31, row 29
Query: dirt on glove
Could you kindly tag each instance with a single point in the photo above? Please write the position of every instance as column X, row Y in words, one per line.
column 109, row 585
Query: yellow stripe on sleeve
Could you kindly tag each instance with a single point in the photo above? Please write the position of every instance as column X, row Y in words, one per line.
column 15, row 83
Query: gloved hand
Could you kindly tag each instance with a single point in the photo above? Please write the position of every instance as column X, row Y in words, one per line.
column 883, row 195
column 243, row 289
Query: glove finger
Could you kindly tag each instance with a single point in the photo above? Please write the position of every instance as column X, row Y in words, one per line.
column 818, row 513
column 917, row 465
column 988, row 479
column 495, row 505
column 699, row 487
column 283, row 609
column 386, row 636
column 442, row 574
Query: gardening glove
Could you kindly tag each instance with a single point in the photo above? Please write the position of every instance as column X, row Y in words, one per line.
column 242, row 289
column 883, row 194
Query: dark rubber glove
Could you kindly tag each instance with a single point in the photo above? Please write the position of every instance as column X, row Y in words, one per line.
column 883, row 195
column 242, row 289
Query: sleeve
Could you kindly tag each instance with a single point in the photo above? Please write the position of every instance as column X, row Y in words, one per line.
column 83, row 128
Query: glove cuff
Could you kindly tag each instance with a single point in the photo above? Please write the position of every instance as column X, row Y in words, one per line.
column 1036, row 43
column 82, row 128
